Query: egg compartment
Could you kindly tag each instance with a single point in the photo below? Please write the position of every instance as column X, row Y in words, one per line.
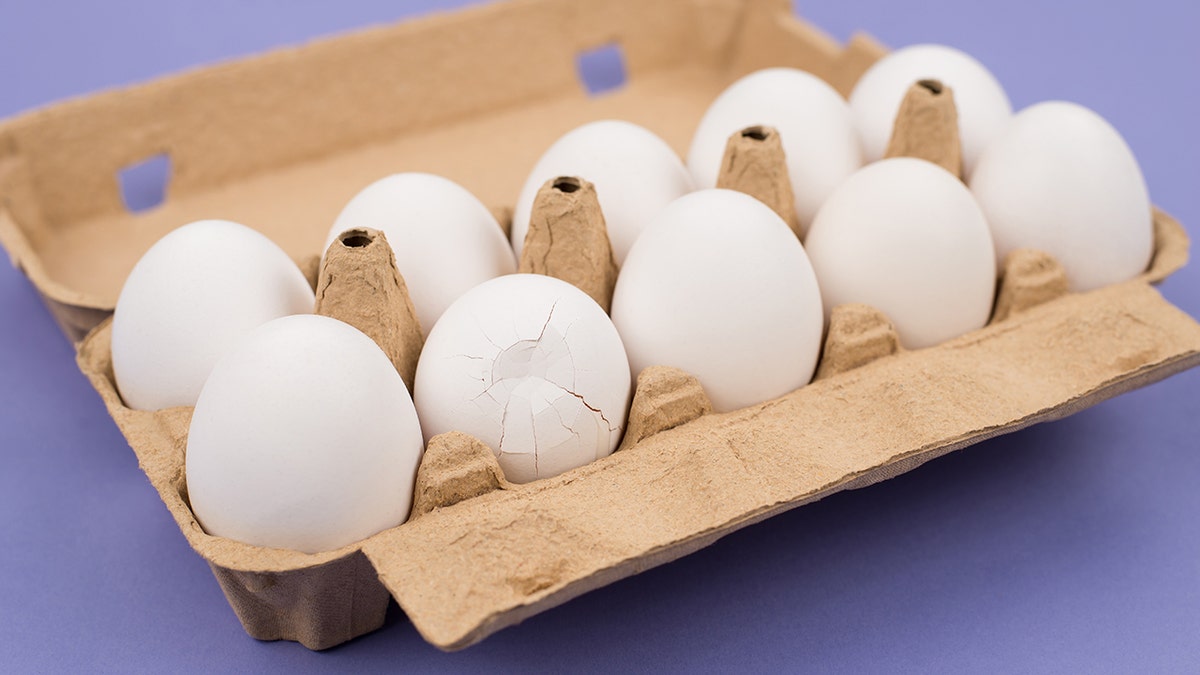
column 319, row 600
column 448, row 95
column 480, row 554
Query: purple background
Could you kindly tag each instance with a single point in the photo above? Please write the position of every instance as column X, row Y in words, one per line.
column 1068, row 546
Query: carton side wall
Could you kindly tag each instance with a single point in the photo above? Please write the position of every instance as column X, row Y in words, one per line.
column 222, row 123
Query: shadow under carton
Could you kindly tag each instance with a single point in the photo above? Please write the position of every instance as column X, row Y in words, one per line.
column 448, row 95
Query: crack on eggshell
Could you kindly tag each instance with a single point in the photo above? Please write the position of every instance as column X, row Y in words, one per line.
column 570, row 356
column 479, row 325
column 524, row 368
column 546, row 325
column 533, row 425
column 488, row 393
column 586, row 404
column 563, row 422
column 503, row 422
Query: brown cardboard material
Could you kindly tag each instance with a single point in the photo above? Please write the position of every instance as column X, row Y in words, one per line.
column 310, row 267
column 857, row 335
column 456, row 467
column 503, row 216
column 481, row 554
column 1029, row 278
column 319, row 606
column 664, row 398
column 926, row 126
column 360, row 285
column 754, row 163
column 567, row 239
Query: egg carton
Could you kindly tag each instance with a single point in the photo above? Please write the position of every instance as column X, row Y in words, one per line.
column 281, row 141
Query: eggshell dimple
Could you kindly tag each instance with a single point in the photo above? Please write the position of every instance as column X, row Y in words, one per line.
column 814, row 124
column 719, row 286
column 531, row 366
column 983, row 107
column 634, row 171
column 445, row 240
column 189, row 299
column 907, row 238
column 304, row 438
column 1063, row 181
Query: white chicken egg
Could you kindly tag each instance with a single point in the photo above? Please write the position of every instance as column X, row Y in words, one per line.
column 820, row 144
column 188, row 300
column 531, row 366
column 445, row 240
column 719, row 286
column 983, row 107
column 304, row 438
column 634, row 171
column 907, row 238
column 1061, row 180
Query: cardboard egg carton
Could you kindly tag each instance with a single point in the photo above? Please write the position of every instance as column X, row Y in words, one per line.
column 282, row 141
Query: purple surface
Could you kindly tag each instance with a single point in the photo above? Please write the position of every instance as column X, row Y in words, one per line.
column 1068, row 546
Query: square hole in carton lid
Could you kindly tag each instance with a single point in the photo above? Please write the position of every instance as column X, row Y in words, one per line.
column 602, row 69
column 144, row 184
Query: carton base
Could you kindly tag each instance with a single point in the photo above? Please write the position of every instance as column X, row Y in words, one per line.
column 319, row 607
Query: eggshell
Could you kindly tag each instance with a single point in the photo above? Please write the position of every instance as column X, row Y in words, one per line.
column 304, row 438
column 191, row 297
column 983, row 107
column 1063, row 181
column 634, row 171
column 814, row 125
column 531, row 366
column 719, row 286
column 446, row 241
column 907, row 238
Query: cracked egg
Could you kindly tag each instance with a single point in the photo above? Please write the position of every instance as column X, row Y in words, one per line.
column 531, row 366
